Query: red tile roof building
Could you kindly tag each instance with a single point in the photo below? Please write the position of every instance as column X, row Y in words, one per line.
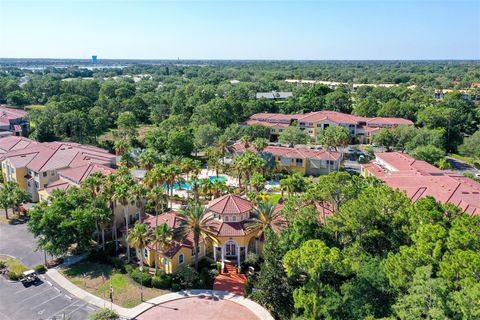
column 306, row 161
column 313, row 122
column 12, row 121
column 420, row 179
column 36, row 165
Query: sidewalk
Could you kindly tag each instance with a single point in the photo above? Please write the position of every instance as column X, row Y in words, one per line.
column 131, row 313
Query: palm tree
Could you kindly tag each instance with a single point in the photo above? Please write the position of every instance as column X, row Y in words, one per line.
column 162, row 237
column 121, row 147
column 139, row 239
column 123, row 196
column 260, row 144
column 148, row 159
column 206, row 187
column 245, row 140
column 218, row 187
column 195, row 219
column 265, row 217
column 94, row 183
column 158, row 197
column 172, row 175
column 108, row 192
column 139, row 196
column 102, row 216
column 156, row 177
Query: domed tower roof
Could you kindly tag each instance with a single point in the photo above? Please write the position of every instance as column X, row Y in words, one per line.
column 230, row 204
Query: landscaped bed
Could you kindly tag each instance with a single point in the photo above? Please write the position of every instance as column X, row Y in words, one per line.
column 126, row 292
column 13, row 265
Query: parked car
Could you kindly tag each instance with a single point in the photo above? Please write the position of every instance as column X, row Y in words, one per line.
column 29, row 277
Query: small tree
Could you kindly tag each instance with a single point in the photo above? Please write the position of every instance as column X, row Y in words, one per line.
column 104, row 314
column 293, row 135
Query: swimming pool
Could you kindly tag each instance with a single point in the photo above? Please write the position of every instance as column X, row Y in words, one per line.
column 188, row 186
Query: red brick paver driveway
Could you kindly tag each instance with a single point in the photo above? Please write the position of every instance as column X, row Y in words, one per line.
column 198, row 308
column 231, row 281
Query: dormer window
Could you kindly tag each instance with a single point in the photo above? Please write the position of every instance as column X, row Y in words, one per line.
column 234, row 218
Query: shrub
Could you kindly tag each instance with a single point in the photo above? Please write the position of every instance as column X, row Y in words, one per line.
column 141, row 277
column 128, row 268
column 186, row 277
column 104, row 314
column 248, row 286
column 13, row 276
column 162, row 281
column 3, row 264
column 40, row 268
column 176, row 287
column 207, row 277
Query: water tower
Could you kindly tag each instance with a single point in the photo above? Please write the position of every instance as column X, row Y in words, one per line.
column 94, row 59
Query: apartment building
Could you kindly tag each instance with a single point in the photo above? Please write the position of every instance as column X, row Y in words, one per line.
column 305, row 161
column 34, row 166
column 12, row 122
column 361, row 128
column 419, row 179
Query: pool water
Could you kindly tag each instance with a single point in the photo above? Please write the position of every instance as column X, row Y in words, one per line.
column 273, row 183
column 188, row 186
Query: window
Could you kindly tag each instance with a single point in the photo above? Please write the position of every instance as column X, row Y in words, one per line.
column 272, row 130
column 299, row 162
column 302, row 123
column 53, row 173
column 227, row 219
column 36, row 184
column 145, row 253
column 181, row 259
column 193, row 252
column 234, row 218
column 325, row 126
column 280, row 130
column 319, row 125
column 45, row 174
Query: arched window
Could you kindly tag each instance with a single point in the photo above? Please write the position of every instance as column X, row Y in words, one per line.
column 145, row 253
column 181, row 259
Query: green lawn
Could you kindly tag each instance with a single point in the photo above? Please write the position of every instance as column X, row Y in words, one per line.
column 13, row 264
column 35, row 106
column 126, row 292
column 273, row 198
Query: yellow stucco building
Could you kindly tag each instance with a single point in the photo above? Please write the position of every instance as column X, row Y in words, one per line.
column 229, row 240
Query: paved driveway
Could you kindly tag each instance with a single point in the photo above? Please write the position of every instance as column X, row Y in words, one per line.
column 198, row 308
column 39, row 302
column 15, row 240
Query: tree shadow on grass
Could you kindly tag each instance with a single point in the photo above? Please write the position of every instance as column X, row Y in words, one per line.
column 88, row 269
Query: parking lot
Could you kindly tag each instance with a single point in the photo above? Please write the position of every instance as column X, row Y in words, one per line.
column 40, row 301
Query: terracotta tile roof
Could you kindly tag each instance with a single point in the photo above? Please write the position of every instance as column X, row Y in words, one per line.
column 228, row 229
column 389, row 121
column 420, row 179
column 11, row 114
column 15, row 143
column 293, row 153
column 59, row 155
column 80, row 173
column 171, row 219
column 230, row 204
column 334, row 116
column 266, row 124
column 58, row 185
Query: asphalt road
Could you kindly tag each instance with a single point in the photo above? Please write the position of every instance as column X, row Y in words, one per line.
column 39, row 302
column 15, row 240
column 44, row 300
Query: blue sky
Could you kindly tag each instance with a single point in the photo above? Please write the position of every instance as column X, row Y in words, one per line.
column 328, row 29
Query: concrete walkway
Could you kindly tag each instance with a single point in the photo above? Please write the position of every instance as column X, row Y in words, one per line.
column 131, row 313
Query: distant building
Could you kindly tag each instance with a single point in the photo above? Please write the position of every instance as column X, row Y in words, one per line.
column 306, row 161
column 362, row 128
column 419, row 179
column 274, row 95
column 94, row 59
column 12, row 122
